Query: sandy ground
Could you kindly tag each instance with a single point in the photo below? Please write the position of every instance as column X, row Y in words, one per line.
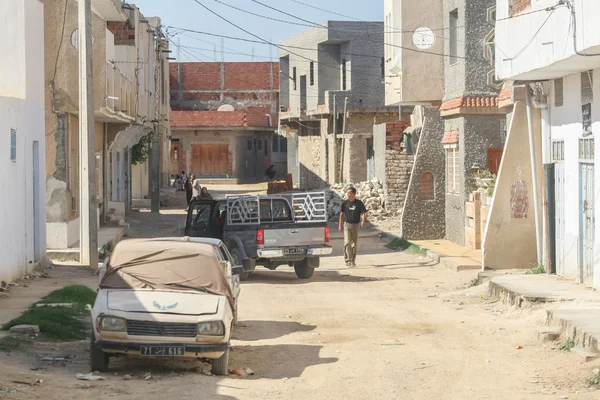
column 395, row 327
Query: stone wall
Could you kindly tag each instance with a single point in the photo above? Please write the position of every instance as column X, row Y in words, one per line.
column 425, row 219
column 398, row 168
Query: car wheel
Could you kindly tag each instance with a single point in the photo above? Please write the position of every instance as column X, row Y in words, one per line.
column 220, row 365
column 303, row 269
column 98, row 359
column 249, row 265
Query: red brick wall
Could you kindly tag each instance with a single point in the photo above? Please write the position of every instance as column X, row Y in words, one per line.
column 121, row 30
column 520, row 5
column 201, row 76
column 254, row 75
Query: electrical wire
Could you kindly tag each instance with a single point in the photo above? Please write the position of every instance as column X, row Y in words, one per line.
column 60, row 44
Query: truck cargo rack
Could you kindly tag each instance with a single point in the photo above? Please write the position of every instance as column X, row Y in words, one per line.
column 307, row 207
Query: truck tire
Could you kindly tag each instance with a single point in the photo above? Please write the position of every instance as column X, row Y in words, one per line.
column 304, row 269
column 249, row 265
column 98, row 359
column 220, row 365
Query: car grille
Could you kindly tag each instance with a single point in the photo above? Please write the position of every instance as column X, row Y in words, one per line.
column 146, row 328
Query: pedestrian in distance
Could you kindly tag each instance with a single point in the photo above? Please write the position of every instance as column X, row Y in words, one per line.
column 204, row 195
column 270, row 172
column 196, row 187
column 352, row 218
column 188, row 189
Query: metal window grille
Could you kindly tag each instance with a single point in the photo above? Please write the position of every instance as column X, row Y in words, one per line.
column 13, row 145
column 587, row 83
column 586, row 149
column 558, row 151
column 558, row 92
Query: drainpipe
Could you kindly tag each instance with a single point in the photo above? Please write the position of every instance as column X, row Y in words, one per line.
column 534, row 178
column 270, row 120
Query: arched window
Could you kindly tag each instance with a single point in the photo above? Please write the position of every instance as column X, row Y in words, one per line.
column 427, row 186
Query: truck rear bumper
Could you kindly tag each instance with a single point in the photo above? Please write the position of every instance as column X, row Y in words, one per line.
column 279, row 253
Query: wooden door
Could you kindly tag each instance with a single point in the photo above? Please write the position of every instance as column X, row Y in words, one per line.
column 210, row 159
column 494, row 159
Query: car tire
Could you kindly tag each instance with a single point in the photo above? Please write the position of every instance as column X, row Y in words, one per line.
column 303, row 269
column 99, row 360
column 220, row 365
column 249, row 265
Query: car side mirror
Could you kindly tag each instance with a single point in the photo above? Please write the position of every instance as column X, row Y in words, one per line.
column 237, row 270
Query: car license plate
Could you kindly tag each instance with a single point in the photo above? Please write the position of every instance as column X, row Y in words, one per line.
column 162, row 351
column 295, row 251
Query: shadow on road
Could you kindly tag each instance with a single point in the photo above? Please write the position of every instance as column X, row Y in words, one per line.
column 278, row 361
column 249, row 331
column 277, row 277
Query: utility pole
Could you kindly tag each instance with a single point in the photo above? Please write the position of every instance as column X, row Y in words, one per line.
column 156, row 135
column 87, row 144
column 335, row 146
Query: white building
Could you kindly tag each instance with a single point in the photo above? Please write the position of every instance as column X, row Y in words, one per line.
column 559, row 47
column 22, row 156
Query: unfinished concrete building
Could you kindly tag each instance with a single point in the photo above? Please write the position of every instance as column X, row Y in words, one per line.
column 332, row 93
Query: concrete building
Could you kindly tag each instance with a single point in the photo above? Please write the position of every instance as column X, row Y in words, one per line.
column 23, row 237
column 130, row 101
column 324, row 71
column 555, row 47
column 225, row 120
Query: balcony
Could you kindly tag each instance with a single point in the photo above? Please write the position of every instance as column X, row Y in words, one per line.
column 540, row 45
column 109, row 10
column 120, row 103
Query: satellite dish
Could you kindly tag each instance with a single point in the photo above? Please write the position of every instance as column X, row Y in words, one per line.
column 226, row 107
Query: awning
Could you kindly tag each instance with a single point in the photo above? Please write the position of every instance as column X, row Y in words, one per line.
column 129, row 137
column 412, row 130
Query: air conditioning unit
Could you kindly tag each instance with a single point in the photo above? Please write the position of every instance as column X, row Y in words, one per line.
column 396, row 66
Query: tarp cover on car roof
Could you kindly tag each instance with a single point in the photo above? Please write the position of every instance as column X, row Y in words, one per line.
column 162, row 264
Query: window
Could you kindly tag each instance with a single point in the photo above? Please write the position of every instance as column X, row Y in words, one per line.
column 294, row 77
column 383, row 67
column 312, row 73
column 558, row 92
column 249, row 144
column 587, row 84
column 344, row 85
column 586, row 150
column 13, row 145
column 259, row 145
column 266, row 148
column 452, row 170
column 558, row 151
column 427, row 186
column 453, row 27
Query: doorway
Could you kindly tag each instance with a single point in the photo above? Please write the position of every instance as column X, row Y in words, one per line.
column 587, row 223
column 559, row 199
column 370, row 159
column 37, row 250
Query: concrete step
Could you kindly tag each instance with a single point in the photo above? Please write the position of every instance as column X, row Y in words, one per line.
column 580, row 323
column 548, row 334
column 585, row 354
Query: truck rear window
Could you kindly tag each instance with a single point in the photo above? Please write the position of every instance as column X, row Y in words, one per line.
column 275, row 210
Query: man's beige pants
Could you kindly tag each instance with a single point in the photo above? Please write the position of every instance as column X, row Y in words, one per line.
column 350, row 242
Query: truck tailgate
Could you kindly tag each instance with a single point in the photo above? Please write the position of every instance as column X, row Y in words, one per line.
column 294, row 236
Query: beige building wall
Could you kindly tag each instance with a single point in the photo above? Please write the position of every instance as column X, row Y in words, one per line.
column 509, row 242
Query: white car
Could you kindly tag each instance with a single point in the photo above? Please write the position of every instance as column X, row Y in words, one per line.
column 166, row 297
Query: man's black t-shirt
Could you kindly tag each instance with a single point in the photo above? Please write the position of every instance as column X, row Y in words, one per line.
column 353, row 210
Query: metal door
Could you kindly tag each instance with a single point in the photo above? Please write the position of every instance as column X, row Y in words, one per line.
column 559, row 196
column 587, row 223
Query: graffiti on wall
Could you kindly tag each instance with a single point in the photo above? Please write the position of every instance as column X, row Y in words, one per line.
column 519, row 198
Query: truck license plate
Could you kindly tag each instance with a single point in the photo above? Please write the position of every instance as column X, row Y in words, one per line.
column 162, row 351
column 295, row 251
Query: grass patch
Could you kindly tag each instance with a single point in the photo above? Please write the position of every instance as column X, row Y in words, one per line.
column 537, row 270
column 567, row 345
column 60, row 323
column 595, row 379
column 11, row 343
column 405, row 246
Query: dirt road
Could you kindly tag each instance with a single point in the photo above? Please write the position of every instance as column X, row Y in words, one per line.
column 395, row 327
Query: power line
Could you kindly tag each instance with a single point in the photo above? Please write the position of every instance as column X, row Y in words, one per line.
column 262, row 16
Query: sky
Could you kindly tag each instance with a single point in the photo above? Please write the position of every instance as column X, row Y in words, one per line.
column 188, row 14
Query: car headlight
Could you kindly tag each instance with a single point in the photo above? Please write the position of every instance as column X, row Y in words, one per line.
column 215, row 328
column 113, row 324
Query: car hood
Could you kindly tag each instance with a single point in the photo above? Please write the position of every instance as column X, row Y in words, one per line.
column 162, row 302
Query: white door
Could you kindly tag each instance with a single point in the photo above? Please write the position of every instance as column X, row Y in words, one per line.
column 559, row 190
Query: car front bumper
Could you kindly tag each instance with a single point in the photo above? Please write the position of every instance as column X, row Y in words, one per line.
column 192, row 350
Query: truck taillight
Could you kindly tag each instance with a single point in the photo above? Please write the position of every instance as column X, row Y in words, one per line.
column 327, row 237
column 260, row 237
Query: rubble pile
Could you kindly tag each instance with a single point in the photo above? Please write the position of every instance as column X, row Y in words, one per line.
column 370, row 192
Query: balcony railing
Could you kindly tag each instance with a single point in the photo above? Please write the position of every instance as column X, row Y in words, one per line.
column 120, row 96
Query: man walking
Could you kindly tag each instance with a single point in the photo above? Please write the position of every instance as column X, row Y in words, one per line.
column 353, row 213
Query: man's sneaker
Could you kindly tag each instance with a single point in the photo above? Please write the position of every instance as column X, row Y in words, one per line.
column 348, row 264
column 353, row 264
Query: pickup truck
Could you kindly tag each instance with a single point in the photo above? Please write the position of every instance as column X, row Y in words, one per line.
column 270, row 230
